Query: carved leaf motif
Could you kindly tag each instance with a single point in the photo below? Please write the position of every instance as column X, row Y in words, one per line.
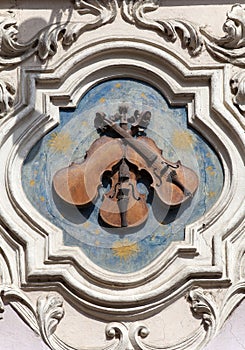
column 135, row 12
column 7, row 93
column 21, row 304
column 238, row 89
column 230, row 47
column 203, row 307
column 45, row 43
column 9, row 46
column 49, row 312
column 104, row 12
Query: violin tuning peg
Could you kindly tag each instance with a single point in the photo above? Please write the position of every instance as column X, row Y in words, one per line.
column 136, row 114
column 115, row 117
column 99, row 123
column 145, row 119
column 131, row 120
column 123, row 109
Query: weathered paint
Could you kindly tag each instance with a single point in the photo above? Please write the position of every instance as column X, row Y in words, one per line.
column 121, row 250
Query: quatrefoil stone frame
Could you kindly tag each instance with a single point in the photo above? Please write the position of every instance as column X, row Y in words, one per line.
column 33, row 255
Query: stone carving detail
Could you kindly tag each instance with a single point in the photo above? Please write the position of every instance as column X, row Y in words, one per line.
column 49, row 313
column 45, row 318
column 7, row 92
column 203, row 307
column 238, row 89
column 229, row 48
column 45, row 43
column 136, row 12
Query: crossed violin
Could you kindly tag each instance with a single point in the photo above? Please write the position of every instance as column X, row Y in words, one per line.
column 121, row 157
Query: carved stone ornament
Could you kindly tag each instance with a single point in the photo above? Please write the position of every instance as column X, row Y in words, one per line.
column 208, row 97
column 230, row 48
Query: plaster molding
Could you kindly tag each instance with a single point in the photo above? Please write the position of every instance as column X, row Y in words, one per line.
column 229, row 48
column 32, row 254
column 7, row 95
column 44, row 318
column 238, row 89
column 44, row 44
column 136, row 12
column 28, row 224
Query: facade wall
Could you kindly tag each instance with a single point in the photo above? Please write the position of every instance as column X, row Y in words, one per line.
column 73, row 276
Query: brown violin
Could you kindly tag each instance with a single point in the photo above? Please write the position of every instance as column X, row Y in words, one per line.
column 123, row 205
column 78, row 184
column 173, row 182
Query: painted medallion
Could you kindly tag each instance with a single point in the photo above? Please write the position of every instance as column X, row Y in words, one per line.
column 128, row 219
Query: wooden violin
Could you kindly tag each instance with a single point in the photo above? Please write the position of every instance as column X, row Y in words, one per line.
column 173, row 182
column 123, row 205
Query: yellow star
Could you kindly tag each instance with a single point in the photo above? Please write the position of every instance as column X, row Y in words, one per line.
column 125, row 249
column 32, row 183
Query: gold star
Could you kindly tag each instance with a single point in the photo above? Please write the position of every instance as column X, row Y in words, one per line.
column 60, row 142
column 86, row 224
column 125, row 249
column 182, row 139
column 211, row 171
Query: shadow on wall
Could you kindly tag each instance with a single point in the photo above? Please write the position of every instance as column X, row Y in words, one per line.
column 194, row 3
column 232, row 335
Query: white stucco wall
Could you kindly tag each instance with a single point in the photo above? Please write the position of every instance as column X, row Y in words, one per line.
column 175, row 321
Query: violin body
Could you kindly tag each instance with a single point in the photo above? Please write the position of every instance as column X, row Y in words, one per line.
column 174, row 183
column 78, row 183
column 123, row 205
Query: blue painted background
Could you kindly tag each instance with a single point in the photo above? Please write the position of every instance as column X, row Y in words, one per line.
column 120, row 250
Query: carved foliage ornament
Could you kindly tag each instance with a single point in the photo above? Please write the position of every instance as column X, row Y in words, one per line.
column 46, row 315
column 44, row 318
column 230, row 48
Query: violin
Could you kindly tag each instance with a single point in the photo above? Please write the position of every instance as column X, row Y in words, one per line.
column 78, row 184
column 123, row 205
column 124, row 157
column 174, row 183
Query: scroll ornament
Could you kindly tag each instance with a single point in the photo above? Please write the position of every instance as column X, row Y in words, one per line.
column 49, row 311
column 229, row 48
column 44, row 318
column 238, row 89
column 7, row 93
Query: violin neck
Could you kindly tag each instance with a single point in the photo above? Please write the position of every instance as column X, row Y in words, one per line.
column 149, row 156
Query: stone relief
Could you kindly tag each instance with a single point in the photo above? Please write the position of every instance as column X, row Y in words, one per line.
column 7, row 95
column 229, row 48
column 238, row 89
column 44, row 318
